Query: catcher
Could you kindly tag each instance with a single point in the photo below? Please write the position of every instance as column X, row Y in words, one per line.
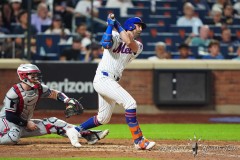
column 20, row 102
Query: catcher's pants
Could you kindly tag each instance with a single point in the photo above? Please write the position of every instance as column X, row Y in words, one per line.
column 110, row 93
column 10, row 133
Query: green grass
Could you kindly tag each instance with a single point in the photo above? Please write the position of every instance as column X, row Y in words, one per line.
column 175, row 131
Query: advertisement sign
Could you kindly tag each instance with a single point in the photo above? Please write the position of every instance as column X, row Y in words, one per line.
column 73, row 79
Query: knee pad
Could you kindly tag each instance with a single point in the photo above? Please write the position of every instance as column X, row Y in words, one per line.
column 54, row 121
column 12, row 137
column 55, row 125
column 103, row 119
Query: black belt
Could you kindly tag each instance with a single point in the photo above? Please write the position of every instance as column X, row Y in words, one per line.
column 111, row 75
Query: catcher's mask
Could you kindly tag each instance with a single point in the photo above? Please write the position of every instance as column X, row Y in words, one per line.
column 30, row 75
column 129, row 23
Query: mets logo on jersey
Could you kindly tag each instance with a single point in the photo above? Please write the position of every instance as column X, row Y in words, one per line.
column 122, row 48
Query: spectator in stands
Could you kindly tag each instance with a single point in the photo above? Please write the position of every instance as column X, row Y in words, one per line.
column 82, row 31
column 10, row 13
column 228, row 14
column 236, row 7
column 220, row 4
column 3, row 30
column 238, row 54
column 214, row 51
column 202, row 41
column 161, row 52
column 188, row 18
column 216, row 16
column 94, row 51
column 84, row 9
column 226, row 37
column 184, row 52
column 16, row 8
column 200, row 4
column 3, row 41
column 6, row 15
column 74, row 53
column 65, row 8
column 41, row 17
column 57, row 27
column 23, row 29
column 227, row 40
column 123, row 5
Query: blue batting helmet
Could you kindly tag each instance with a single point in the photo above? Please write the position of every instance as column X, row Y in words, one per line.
column 129, row 23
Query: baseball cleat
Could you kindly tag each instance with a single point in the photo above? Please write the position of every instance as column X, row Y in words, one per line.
column 93, row 136
column 144, row 144
column 73, row 135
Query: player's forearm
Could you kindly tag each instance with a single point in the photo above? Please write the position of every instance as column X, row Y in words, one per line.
column 57, row 95
column 129, row 40
column 126, row 38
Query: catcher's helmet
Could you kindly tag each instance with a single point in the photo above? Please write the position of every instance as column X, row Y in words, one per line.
column 29, row 74
column 129, row 23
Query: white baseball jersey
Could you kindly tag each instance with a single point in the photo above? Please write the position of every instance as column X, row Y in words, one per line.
column 110, row 92
column 115, row 60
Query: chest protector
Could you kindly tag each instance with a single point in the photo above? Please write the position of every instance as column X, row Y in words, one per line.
column 27, row 101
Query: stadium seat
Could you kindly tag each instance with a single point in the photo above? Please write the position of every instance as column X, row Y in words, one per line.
column 61, row 47
column 167, row 3
column 162, row 20
column 236, row 21
column 44, row 27
column 181, row 30
column 201, row 13
column 170, row 38
column 47, row 46
column 173, row 11
column 235, row 29
column 141, row 3
column 155, row 28
column 225, row 51
column 214, row 30
column 194, row 50
column 139, row 12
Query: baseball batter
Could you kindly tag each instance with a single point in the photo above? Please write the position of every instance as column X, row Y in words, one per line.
column 120, row 48
column 19, row 104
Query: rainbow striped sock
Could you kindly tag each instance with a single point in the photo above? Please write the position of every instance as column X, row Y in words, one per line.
column 131, row 119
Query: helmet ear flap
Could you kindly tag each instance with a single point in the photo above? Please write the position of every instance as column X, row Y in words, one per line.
column 131, row 27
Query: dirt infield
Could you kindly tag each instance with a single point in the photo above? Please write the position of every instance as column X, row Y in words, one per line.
column 167, row 150
column 109, row 148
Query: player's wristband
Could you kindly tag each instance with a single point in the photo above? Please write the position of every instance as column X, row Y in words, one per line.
column 118, row 27
column 62, row 97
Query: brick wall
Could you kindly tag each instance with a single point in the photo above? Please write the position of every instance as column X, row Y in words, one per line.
column 139, row 84
column 7, row 78
column 226, row 89
column 226, row 85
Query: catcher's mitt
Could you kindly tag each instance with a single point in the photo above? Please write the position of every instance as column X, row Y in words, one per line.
column 74, row 107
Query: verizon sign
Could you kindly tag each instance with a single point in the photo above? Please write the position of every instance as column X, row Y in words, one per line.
column 67, row 86
column 74, row 79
